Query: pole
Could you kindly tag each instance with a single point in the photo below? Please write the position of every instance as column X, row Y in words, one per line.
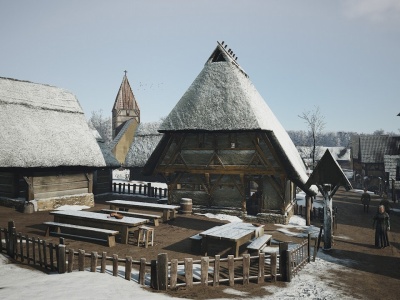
column 327, row 217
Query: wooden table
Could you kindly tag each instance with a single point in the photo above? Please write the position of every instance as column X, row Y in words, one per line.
column 232, row 234
column 169, row 211
column 99, row 220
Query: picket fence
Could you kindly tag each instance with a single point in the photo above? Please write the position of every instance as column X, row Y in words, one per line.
column 139, row 189
column 161, row 273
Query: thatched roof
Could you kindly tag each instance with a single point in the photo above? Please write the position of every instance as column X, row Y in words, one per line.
column 146, row 139
column 43, row 126
column 222, row 98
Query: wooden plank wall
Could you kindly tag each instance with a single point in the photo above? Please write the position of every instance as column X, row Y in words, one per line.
column 102, row 182
column 7, row 184
column 50, row 185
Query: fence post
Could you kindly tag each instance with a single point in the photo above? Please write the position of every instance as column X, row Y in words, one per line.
column 61, row 264
column 231, row 270
column 205, row 262
column 115, row 265
column 149, row 189
column 10, row 245
column 142, row 271
column 283, row 246
column 174, row 273
column 216, row 270
column 70, row 260
column 119, row 187
column 81, row 260
column 273, row 266
column 288, row 266
column 153, row 275
column 189, row 272
column 128, row 267
column 93, row 261
column 103, row 262
column 309, row 247
column 261, row 267
column 246, row 269
column 162, row 271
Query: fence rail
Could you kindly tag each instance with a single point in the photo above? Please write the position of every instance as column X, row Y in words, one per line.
column 164, row 274
column 140, row 189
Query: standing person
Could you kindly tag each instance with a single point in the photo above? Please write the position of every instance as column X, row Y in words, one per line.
column 381, row 225
column 365, row 199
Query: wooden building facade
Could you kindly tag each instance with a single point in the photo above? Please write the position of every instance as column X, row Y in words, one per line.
column 48, row 153
column 224, row 148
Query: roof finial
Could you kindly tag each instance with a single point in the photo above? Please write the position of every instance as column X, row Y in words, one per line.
column 125, row 72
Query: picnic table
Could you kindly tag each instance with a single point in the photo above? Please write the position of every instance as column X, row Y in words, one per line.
column 169, row 211
column 231, row 234
column 99, row 220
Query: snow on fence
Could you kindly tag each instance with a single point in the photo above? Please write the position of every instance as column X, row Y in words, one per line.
column 140, row 189
column 164, row 274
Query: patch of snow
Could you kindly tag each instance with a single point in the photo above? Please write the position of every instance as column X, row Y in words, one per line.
column 72, row 207
column 222, row 217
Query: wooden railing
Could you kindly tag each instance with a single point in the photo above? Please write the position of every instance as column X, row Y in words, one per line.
column 140, row 189
column 164, row 274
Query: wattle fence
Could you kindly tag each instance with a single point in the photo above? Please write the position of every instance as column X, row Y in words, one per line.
column 162, row 273
column 139, row 189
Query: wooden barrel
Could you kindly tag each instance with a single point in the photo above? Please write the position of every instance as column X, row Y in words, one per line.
column 186, row 206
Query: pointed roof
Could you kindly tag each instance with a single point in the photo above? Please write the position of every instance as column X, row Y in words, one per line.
column 328, row 171
column 125, row 98
column 222, row 98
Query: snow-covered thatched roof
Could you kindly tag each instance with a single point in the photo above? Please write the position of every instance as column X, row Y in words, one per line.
column 109, row 158
column 146, row 139
column 43, row 126
column 222, row 98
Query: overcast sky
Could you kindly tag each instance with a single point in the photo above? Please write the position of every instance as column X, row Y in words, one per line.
column 342, row 56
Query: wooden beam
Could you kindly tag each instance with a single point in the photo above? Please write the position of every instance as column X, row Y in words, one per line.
column 271, row 148
column 217, row 170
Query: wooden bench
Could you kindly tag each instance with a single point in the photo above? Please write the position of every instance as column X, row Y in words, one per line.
column 55, row 227
column 257, row 244
column 152, row 218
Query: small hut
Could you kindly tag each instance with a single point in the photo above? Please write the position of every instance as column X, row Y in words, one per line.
column 48, row 153
column 224, row 148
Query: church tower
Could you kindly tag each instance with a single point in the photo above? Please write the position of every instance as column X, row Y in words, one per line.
column 125, row 120
column 125, row 107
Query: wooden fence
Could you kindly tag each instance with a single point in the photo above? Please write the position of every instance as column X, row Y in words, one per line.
column 164, row 274
column 317, row 214
column 140, row 189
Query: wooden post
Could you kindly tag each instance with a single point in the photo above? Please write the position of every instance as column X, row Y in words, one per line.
column 128, row 267
column 10, row 244
column 153, row 275
column 103, row 262
column 309, row 247
column 327, row 217
column 51, row 248
column 162, row 271
column 308, row 210
column 283, row 247
column 231, row 270
column 115, row 265
column 189, row 272
column 142, row 271
column 81, row 260
column 70, row 260
column 261, row 267
column 246, row 269
column 93, row 261
column 205, row 263
column 216, row 270
column 174, row 273
column 149, row 189
column 288, row 266
column 61, row 263
column 273, row 266
column 27, row 248
column 33, row 251
column 44, row 254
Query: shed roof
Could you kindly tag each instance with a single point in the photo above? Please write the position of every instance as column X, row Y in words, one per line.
column 43, row 126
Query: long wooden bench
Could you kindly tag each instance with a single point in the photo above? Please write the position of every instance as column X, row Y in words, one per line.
column 152, row 218
column 257, row 244
column 55, row 228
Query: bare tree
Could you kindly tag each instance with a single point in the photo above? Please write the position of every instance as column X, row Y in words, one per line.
column 102, row 125
column 316, row 124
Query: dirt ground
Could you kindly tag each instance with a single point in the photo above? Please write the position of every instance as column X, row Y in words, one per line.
column 375, row 272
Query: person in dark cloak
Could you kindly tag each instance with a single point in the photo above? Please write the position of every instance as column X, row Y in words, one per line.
column 381, row 226
column 365, row 200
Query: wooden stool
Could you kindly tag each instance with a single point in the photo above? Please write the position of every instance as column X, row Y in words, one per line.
column 144, row 233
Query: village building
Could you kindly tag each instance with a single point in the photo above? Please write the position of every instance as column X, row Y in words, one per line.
column 224, row 148
column 373, row 158
column 125, row 120
column 340, row 154
column 48, row 153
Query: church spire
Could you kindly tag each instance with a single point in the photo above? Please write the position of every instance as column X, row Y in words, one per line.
column 125, row 106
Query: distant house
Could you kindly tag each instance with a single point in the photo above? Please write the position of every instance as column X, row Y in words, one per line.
column 340, row 154
column 368, row 155
column 47, row 151
column 392, row 169
column 221, row 140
